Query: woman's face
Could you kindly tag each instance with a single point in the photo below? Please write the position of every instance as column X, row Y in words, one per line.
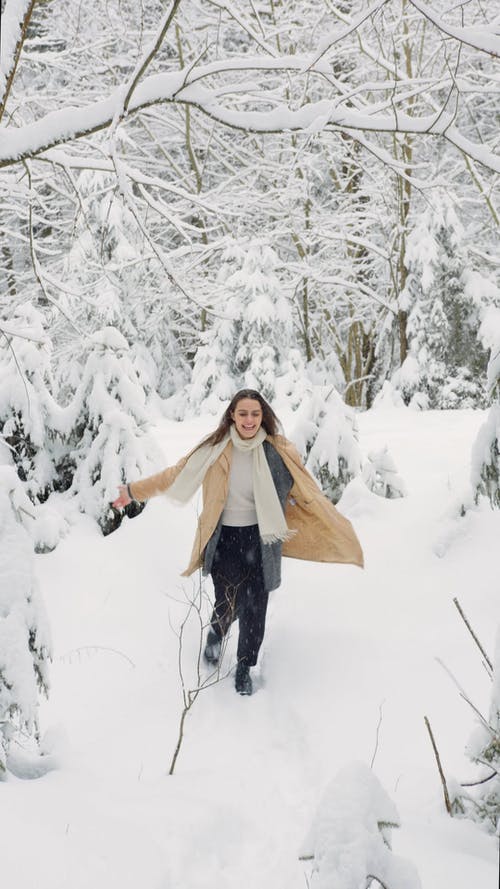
column 247, row 417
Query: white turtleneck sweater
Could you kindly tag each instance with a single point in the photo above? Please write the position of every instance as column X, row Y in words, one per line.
column 239, row 510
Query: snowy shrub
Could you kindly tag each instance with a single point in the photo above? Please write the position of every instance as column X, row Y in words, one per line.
column 29, row 415
column 44, row 523
column 388, row 397
column 326, row 436
column 482, row 803
column 486, row 459
column 485, row 474
column 381, row 476
column 445, row 365
column 252, row 343
column 107, row 427
column 293, row 383
column 24, row 637
column 480, row 799
column 350, row 839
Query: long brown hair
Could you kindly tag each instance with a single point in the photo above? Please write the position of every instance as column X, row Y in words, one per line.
column 270, row 421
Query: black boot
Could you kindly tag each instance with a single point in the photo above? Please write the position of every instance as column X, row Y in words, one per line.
column 212, row 649
column 243, row 680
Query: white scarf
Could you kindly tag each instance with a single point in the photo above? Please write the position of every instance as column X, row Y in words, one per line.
column 272, row 524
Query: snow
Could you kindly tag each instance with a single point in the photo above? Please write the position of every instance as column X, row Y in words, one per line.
column 347, row 674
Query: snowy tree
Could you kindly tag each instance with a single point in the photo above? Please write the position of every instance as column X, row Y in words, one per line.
column 445, row 366
column 485, row 475
column 110, row 261
column 24, row 635
column 482, row 802
column 326, row 435
column 107, row 427
column 349, row 843
column 252, row 345
column 30, row 418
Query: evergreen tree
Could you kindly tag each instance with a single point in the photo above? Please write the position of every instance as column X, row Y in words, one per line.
column 30, row 418
column 111, row 262
column 252, row 343
column 445, row 367
column 107, row 427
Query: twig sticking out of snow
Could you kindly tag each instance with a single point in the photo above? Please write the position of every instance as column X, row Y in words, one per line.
column 440, row 768
column 471, row 631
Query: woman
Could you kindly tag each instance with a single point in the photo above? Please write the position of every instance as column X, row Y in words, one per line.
column 259, row 503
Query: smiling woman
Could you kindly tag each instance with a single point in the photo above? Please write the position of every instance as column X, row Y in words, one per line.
column 259, row 502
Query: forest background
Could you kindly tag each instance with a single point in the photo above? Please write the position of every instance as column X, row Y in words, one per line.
column 199, row 195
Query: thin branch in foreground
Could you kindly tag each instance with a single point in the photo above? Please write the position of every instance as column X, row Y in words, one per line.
column 377, row 734
column 440, row 769
column 202, row 682
column 477, row 783
column 465, row 696
column 471, row 631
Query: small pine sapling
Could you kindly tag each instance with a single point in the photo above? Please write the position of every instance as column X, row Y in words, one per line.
column 349, row 844
column 381, row 476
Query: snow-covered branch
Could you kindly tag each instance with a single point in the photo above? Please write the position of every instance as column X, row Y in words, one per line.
column 183, row 87
column 483, row 39
column 15, row 18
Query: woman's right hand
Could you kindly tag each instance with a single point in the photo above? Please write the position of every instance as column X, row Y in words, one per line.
column 123, row 498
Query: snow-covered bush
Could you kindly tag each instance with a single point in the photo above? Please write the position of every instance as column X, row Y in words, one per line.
column 388, row 398
column 251, row 340
column 24, row 636
column 350, row 840
column 44, row 523
column 107, row 427
column 29, row 416
column 445, row 366
column 482, row 803
column 381, row 476
column 326, row 435
column 485, row 474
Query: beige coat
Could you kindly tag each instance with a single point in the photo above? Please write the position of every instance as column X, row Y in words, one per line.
column 323, row 533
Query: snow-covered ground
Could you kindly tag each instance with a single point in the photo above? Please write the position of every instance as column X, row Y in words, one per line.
column 348, row 672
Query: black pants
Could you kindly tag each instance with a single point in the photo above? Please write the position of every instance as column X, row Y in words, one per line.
column 239, row 590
